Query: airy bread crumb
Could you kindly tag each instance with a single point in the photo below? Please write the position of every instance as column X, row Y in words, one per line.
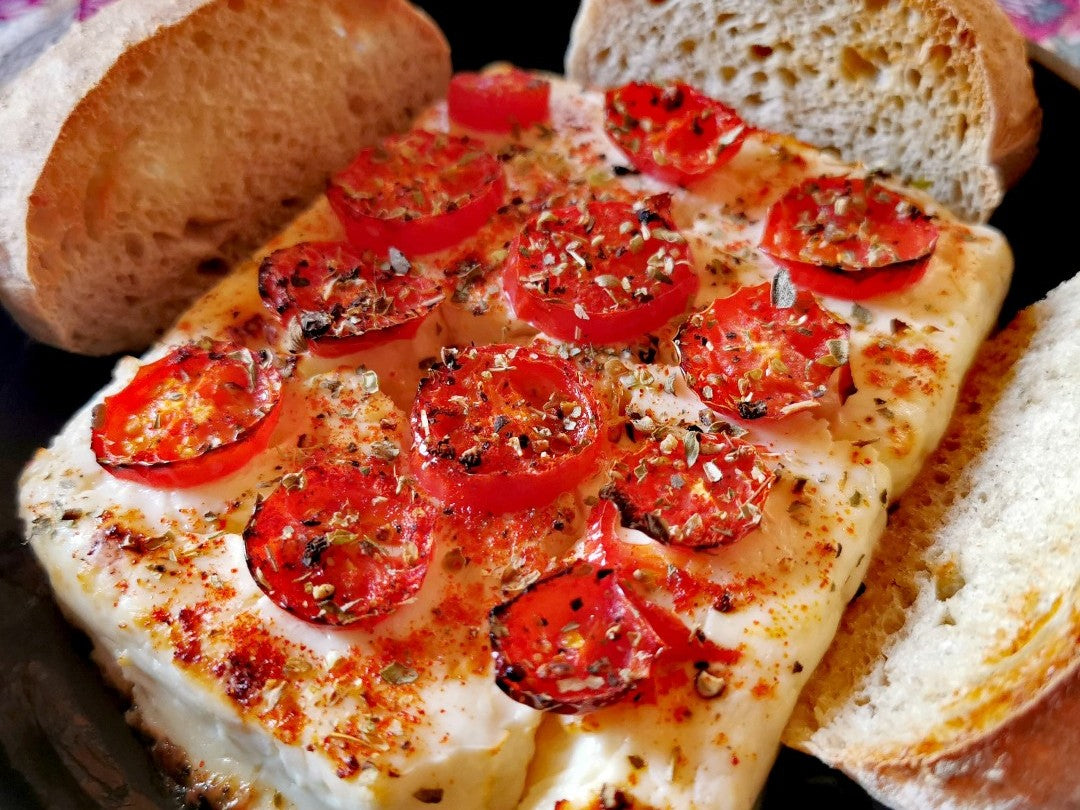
column 175, row 157
column 938, row 91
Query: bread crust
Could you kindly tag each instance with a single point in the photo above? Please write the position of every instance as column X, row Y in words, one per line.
column 1014, row 109
column 1011, row 738
column 55, row 189
column 1020, row 764
column 690, row 39
column 34, row 120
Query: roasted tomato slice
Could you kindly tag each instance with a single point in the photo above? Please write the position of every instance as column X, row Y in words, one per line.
column 199, row 413
column 419, row 192
column 751, row 359
column 849, row 237
column 340, row 541
column 502, row 428
column 572, row 643
column 498, row 101
column 605, row 273
column 342, row 301
column 701, row 491
column 674, row 133
column 644, row 572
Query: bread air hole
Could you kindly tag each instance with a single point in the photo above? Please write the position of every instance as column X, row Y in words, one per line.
column 907, row 591
column 688, row 46
column 787, row 76
column 213, row 266
column 203, row 41
column 759, row 53
column 134, row 247
column 939, row 56
column 960, row 125
column 204, row 229
column 855, row 67
column 875, row 5
column 948, row 580
column 137, row 77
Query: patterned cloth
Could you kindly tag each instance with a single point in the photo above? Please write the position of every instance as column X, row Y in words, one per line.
column 10, row 9
column 27, row 27
column 1053, row 24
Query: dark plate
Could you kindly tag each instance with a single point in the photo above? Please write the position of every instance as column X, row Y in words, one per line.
column 64, row 741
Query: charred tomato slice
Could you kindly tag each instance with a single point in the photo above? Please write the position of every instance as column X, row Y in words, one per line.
column 419, row 192
column 498, row 101
column 647, row 572
column 749, row 358
column 572, row 642
column 502, row 428
column 673, row 132
column 702, row 491
column 342, row 301
column 849, row 237
column 197, row 414
column 341, row 541
column 603, row 273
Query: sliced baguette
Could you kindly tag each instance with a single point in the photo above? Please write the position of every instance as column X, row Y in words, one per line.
column 955, row 679
column 161, row 140
column 938, row 91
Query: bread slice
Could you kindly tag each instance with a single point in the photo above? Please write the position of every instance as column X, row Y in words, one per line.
column 938, row 91
column 955, row 679
column 161, row 140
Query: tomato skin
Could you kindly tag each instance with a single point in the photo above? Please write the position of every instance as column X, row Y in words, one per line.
column 715, row 501
column 468, row 419
column 339, row 544
column 498, row 101
column 855, row 286
column 572, row 643
column 635, row 297
column 849, row 237
column 653, row 564
column 197, row 414
column 420, row 192
column 342, row 301
column 340, row 347
column 689, row 135
column 749, row 359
